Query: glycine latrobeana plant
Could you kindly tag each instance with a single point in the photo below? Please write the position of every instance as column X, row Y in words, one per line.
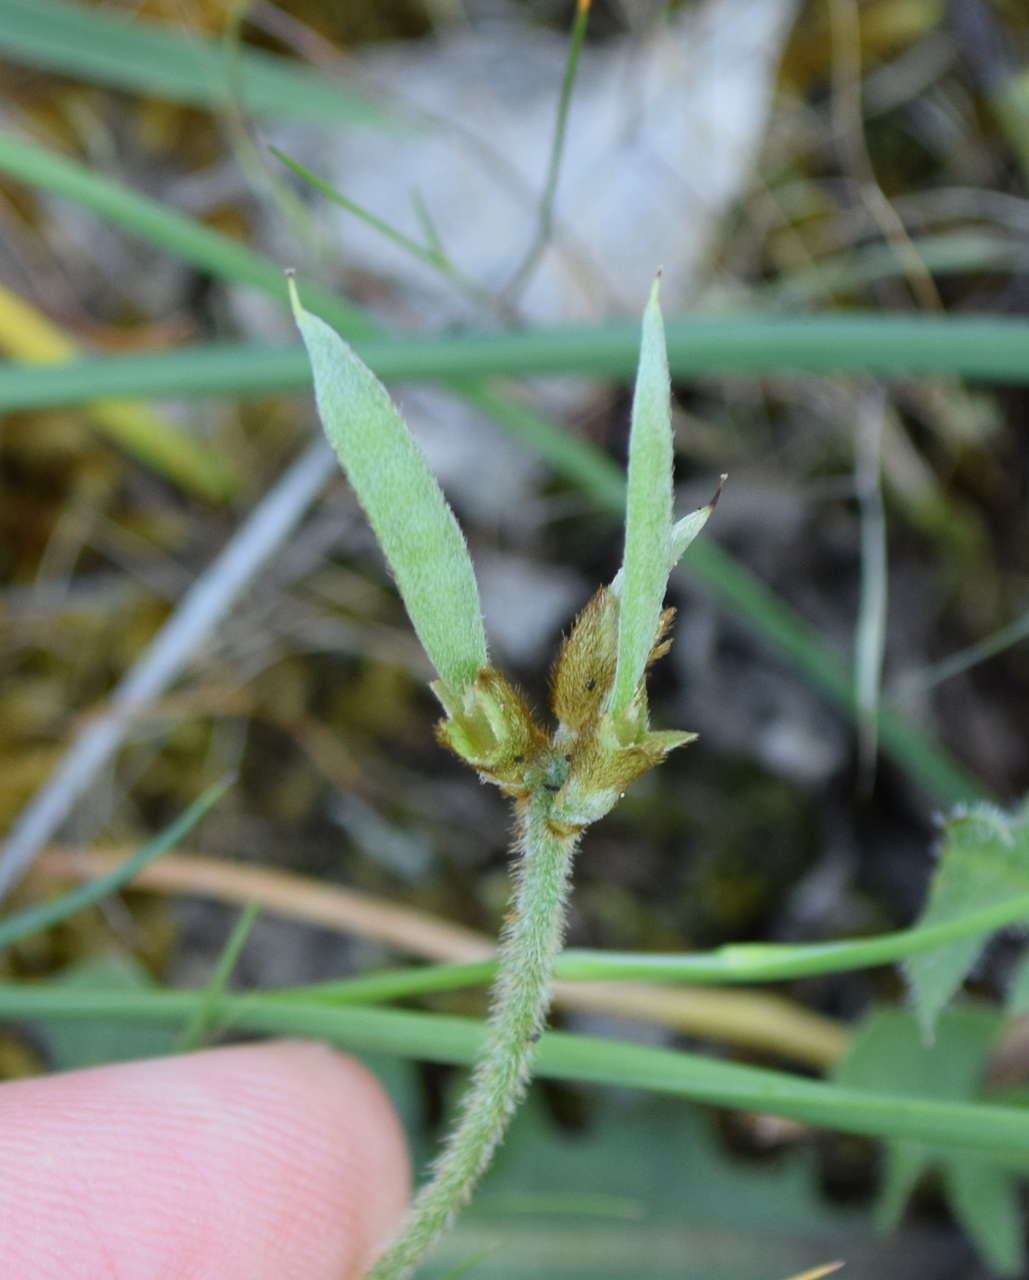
column 560, row 780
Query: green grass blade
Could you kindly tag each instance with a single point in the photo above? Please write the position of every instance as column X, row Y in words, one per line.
column 870, row 626
column 165, row 228
column 431, row 253
column 405, row 506
column 158, row 60
column 545, row 216
column 648, row 511
column 700, row 344
column 214, row 369
column 949, row 253
column 1001, row 1132
column 772, row 962
column 1011, row 634
column 30, row 921
column 730, row 964
column 205, row 1015
column 388, row 232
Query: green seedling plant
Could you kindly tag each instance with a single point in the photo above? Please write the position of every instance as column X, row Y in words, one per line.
column 560, row 780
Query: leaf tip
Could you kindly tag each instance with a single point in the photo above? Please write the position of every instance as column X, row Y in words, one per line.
column 294, row 298
column 655, row 290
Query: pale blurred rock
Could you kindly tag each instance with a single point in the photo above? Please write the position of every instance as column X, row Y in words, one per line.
column 663, row 132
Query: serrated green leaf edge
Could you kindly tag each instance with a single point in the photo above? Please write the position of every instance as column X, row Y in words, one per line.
column 648, row 509
column 997, row 847
column 405, row 506
column 887, row 1054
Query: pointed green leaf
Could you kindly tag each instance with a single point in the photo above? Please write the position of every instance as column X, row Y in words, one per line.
column 984, row 861
column 405, row 506
column 985, row 1200
column 684, row 533
column 889, row 1055
column 650, row 1193
column 648, row 510
column 685, row 530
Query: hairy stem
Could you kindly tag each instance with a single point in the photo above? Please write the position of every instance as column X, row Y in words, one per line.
column 529, row 946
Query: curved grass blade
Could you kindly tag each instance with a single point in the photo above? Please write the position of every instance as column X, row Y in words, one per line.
column 27, row 335
column 739, row 344
column 175, row 232
column 33, row 919
column 205, row 1015
column 405, row 506
column 154, row 58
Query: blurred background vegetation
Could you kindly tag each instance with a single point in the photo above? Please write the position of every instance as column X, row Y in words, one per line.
column 884, row 169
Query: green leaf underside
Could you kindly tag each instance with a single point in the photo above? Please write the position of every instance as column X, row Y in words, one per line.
column 414, row 525
column 648, row 1191
column 648, row 510
column 72, row 1046
column 985, row 1200
column 888, row 1055
column 984, row 862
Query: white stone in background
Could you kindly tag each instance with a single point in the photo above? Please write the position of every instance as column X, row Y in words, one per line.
column 662, row 137
column 487, row 473
column 526, row 604
column 663, row 133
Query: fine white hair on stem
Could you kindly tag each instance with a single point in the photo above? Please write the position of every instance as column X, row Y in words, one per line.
column 200, row 610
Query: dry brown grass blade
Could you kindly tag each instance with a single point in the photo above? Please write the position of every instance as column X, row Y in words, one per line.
column 816, row 1273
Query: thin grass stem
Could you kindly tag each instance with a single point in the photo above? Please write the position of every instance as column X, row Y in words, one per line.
column 870, row 629
column 205, row 1015
column 545, row 217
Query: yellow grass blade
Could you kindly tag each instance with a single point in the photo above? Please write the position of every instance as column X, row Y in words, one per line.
column 27, row 335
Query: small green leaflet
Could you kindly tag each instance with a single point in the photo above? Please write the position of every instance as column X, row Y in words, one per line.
column 648, row 510
column 684, row 531
column 405, row 506
column 984, row 860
